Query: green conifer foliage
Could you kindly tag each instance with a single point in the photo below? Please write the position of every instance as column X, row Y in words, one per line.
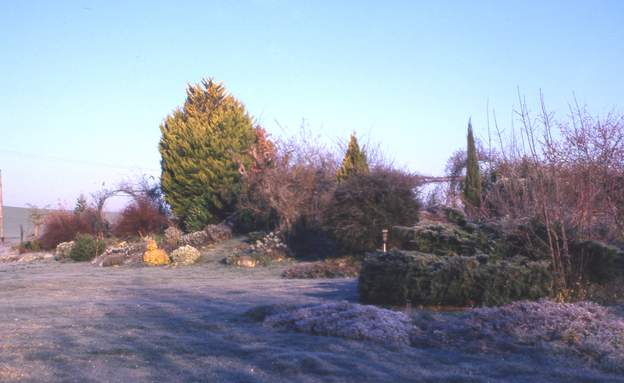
column 203, row 146
column 472, row 182
column 354, row 161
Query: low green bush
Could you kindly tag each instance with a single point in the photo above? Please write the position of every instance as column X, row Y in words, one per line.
column 365, row 204
column 29, row 246
column 400, row 277
column 86, row 247
column 597, row 262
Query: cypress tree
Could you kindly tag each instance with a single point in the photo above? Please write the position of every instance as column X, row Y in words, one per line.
column 472, row 182
column 203, row 145
column 354, row 161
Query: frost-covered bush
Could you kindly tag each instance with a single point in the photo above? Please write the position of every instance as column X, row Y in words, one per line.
column 584, row 329
column 185, row 255
column 346, row 320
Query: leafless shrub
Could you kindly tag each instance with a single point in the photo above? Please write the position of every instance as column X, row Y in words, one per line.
column 568, row 174
column 294, row 189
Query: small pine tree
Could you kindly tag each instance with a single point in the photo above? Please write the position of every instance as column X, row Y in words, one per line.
column 204, row 146
column 81, row 204
column 354, row 161
column 472, row 182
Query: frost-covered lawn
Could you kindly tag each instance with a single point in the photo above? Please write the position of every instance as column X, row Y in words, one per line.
column 76, row 322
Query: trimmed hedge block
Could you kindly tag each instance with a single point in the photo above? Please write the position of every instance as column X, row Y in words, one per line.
column 401, row 277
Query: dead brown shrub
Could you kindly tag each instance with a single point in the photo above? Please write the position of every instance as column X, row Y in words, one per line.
column 140, row 217
column 62, row 226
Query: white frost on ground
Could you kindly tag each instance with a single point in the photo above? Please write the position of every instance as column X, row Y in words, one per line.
column 70, row 322
column 346, row 320
column 583, row 330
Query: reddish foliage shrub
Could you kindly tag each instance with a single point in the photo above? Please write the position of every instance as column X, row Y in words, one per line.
column 62, row 226
column 139, row 218
column 288, row 190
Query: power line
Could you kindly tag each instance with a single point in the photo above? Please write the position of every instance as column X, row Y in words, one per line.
column 81, row 162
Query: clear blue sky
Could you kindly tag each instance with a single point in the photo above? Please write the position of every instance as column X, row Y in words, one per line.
column 84, row 84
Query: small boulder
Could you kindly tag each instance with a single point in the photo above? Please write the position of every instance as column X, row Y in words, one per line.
column 218, row 233
column 196, row 239
column 155, row 256
column 111, row 260
column 185, row 255
column 62, row 250
column 246, row 261
column 173, row 236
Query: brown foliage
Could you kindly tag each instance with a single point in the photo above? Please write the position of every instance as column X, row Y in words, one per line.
column 295, row 185
column 141, row 217
column 567, row 174
column 62, row 226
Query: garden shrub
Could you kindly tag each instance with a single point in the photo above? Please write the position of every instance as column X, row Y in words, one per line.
column 366, row 203
column 291, row 195
column 440, row 239
column 86, row 247
column 204, row 145
column 141, row 217
column 597, row 262
column 62, row 226
column 329, row 268
column 399, row 277
column 29, row 246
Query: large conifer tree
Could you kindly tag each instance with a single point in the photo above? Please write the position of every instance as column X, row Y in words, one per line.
column 472, row 182
column 354, row 161
column 203, row 145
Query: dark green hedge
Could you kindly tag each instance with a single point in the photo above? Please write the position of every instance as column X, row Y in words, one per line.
column 401, row 277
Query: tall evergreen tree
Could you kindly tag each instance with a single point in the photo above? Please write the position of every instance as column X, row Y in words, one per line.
column 472, row 182
column 354, row 161
column 203, row 146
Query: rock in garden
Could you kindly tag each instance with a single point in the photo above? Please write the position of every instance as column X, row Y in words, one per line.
column 62, row 250
column 185, row 255
column 155, row 256
column 173, row 236
column 196, row 239
column 246, row 261
column 218, row 233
